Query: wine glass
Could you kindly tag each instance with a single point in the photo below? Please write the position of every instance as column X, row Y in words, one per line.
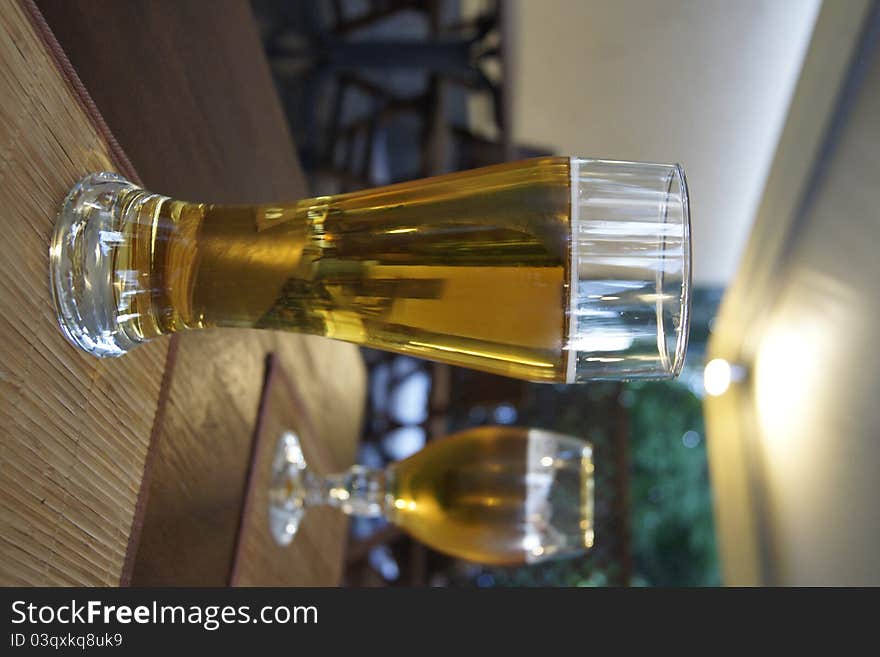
column 554, row 269
column 495, row 495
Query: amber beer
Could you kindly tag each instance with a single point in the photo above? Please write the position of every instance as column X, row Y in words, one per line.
column 470, row 269
column 497, row 495
column 553, row 269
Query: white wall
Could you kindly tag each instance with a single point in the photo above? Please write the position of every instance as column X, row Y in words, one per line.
column 703, row 82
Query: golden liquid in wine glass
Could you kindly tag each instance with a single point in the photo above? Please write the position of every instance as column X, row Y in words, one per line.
column 497, row 495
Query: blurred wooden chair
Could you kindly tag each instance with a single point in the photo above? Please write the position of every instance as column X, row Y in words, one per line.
column 348, row 60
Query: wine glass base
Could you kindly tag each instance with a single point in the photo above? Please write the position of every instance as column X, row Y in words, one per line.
column 81, row 255
column 286, row 508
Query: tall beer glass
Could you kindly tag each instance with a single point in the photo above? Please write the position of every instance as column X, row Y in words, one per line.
column 553, row 269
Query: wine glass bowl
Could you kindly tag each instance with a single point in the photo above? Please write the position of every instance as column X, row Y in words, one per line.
column 494, row 495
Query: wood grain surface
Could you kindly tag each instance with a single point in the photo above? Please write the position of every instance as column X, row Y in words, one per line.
column 199, row 478
column 74, row 430
column 186, row 88
column 187, row 91
column 315, row 556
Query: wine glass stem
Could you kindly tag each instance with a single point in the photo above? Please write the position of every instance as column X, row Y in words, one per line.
column 358, row 491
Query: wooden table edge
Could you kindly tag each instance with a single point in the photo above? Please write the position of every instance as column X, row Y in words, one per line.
column 125, row 167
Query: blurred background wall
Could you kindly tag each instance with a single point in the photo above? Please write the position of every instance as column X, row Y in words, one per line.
column 706, row 83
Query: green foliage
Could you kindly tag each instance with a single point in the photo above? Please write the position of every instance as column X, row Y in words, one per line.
column 673, row 534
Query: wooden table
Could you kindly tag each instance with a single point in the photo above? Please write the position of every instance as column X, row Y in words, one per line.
column 101, row 485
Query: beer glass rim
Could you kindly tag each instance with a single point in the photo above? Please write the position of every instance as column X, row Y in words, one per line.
column 629, row 216
column 679, row 340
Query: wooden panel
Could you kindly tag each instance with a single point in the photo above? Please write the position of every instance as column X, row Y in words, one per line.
column 186, row 89
column 197, row 481
column 74, row 430
column 192, row 517
column 188, row 93
column 315, row 556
